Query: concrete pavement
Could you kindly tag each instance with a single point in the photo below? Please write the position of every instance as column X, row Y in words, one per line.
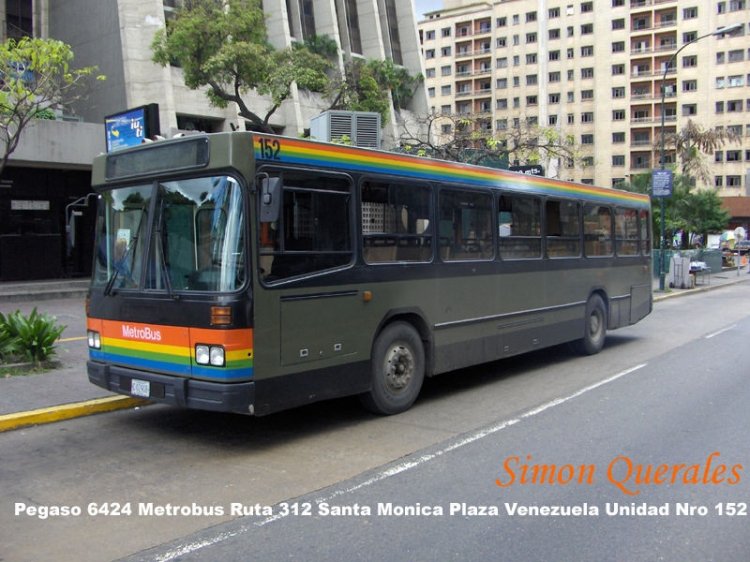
column 64, row 392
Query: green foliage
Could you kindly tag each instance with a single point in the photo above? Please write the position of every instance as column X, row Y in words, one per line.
column 371, row 85
column 36, row 77
column 223, row 46
column 29, row 338
column 687, row 210
column 322, row 45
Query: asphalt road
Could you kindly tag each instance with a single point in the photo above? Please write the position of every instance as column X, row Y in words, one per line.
column 668, row 391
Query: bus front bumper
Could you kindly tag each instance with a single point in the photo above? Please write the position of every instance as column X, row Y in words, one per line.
column 178, row 391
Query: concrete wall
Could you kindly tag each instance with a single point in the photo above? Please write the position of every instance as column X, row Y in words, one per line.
column 59, row 144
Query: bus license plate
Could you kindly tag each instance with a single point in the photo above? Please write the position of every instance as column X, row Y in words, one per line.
column 140, row 388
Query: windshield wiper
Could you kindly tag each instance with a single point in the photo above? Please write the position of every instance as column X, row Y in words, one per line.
column 165, row 268
column 119, row 265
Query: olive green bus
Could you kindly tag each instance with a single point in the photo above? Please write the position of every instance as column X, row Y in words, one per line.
column 250, row 273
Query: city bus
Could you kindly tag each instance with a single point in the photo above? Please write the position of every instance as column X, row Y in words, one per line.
column 250, row 273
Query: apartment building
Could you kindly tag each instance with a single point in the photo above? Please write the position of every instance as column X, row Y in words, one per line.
column 595, row 69
column 51, row 168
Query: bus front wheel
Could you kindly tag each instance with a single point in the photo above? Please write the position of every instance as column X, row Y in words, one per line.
column 397, row 370
column 595, row 326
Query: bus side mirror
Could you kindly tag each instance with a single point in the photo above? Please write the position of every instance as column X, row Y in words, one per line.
column 270, row 199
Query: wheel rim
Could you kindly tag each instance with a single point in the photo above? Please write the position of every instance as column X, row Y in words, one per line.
column 399, row 367
column 595, row 324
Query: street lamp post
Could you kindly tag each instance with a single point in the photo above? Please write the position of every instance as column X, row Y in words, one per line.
column 720, row 31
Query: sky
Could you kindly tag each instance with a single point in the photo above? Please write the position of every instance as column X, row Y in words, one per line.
column 422, row 6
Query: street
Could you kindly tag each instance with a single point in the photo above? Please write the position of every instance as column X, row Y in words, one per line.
column 330, row 480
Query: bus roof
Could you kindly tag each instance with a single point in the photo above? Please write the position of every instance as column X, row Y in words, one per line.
column 346, row 158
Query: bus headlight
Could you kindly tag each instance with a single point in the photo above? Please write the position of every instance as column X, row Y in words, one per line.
column 210, row 355
column 95, row 339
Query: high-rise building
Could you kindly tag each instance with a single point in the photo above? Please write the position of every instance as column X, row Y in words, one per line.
column 51, row 168
column 595, row 69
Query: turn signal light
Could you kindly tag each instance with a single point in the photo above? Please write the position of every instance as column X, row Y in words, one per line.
column 221, row 316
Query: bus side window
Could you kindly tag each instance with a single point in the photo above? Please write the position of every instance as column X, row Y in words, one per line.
column 597, row 230
column 519, row 226
column 465, row 225
column 312, row 232
column 562, row 230
column 626, row 231
column 645, row 229
column 395, row 222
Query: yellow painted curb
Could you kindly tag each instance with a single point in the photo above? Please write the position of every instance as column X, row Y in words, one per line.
column 68, row 411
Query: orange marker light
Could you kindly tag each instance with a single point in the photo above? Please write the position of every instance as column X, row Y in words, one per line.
column 221, row 316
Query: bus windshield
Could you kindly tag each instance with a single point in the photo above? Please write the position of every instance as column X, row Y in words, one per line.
column 171, row 236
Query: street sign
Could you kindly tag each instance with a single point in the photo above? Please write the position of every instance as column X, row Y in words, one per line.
column 661, row 183
column 535, row 170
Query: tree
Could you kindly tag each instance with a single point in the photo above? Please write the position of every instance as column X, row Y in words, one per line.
column 223, row 46
column 692, row 143
column 35, row 78
column 696, row 212
column 469, row 138
column 366, row 86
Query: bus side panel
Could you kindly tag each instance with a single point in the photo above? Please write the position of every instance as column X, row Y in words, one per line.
column 641, row 302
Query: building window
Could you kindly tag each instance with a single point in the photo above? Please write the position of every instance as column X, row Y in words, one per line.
column 587, row 7
column 554, row 98
column 618, row 24
column 554, row 34
column 587, row 29
column 618, row 92
column 445, row 51
column 531, row 58
column 501, row 22
column 689, row 13
column 531, row 38
column 689, row 109
column 618, row 138
column 689, row 85
column 587, row 117
column 618, row 69
column 446, row 70
column 445, row 32
column 430, row 35
column 554, row 13
column 531, row 80
column 554, row 55
column 618, row 47
column 690, row 61
column 531, row 100
column 587, row 95
column 587, row 73
column 587, row 139
column 618, row 160
column 618, row 115
column 554, row 76
column 734, row 181
column 718, row 181
column 445, row 90
column 588, row 50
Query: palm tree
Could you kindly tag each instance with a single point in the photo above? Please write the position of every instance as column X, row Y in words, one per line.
column 693, row 143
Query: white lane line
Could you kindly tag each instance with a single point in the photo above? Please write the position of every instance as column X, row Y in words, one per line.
column 727, row 329
column 401, row 467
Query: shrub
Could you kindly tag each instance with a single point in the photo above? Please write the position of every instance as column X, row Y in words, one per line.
column 30, row 338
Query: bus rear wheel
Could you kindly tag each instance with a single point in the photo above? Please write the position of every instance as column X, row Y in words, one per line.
column 595, row 326
column 397, row 370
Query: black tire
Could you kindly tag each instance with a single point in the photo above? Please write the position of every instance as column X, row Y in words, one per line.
column 397, row 370
column 595, row 327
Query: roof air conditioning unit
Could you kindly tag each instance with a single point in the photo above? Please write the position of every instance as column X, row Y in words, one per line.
column 361, row 127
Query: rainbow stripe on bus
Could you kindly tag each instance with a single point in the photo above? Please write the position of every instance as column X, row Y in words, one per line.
column 171, row 349
column 325, row 155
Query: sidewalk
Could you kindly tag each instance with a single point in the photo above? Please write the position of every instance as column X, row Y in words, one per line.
column 65, row 392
